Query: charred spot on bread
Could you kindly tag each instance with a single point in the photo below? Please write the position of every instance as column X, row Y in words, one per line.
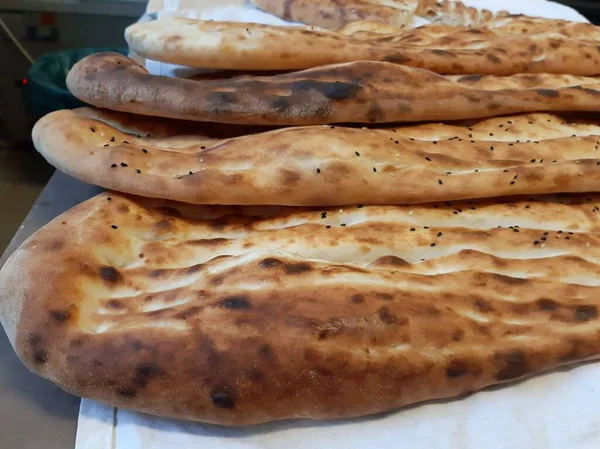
column 297, row 268
column 585, row 312
column 222, row 397
column 550, row 93
column 110, row 275
column 236, row 302
column 270, row 262
column 511, row 365
column 456, row 368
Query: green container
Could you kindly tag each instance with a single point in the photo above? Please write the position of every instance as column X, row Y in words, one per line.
column 46, row 89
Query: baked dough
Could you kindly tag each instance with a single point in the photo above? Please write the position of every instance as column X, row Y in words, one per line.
column 506, row 47
column 323, row 313
column 357, row 92
column 323, row 165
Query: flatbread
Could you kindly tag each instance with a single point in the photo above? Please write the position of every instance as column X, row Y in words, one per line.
column 506, row 47
column 359, row 92
column 320, row 314
column 325, row 165
column 397, row 13
column 335, row 13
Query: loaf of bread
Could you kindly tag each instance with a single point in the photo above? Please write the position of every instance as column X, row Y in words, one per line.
column 329, row 165
column 505, row 47
column 242, row 316
column 358, row 92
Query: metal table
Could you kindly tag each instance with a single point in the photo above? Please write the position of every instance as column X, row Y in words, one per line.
column 34, row 413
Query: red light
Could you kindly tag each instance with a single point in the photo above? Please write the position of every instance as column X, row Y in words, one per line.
column 24, row 81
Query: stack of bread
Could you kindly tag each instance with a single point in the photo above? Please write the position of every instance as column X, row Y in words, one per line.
column 388, row 215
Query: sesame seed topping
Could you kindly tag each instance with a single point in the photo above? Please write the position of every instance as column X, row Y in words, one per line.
column 114, row 227
column 123, row 164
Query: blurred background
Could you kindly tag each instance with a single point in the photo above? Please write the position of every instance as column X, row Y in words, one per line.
column 30, row 29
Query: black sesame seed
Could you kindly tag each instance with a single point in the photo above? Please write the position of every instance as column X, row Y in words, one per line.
column 109, row 198
column 536, row 242
column 427, row 158
column 93, row 130
column 440, row 182
column 410, row 138
column 491, row 148
column 112, row 139
column 343, row 224
column 433, row 244
column 106, row 145
column 144, row 150
column 425, row 227
column 567, row 238
column 126, row 142
column 123, row 164
column 113, row 165
column 512, row 182
column 505, row 170
column 357, row 153
column 318, row 170
column 434, row 142
column 532, row 160
column 323, row 215
column 138, row 171
column 412, row 229
column 114, row 227
column 360, row 206
column 527, row 207
column 511, row 144
column 328, row 226
column 374, row 170
column 439, row 234
column 203, row 147
column 190, row 172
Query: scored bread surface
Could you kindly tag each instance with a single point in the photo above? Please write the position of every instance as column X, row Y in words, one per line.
column 357, row 92
column 329, row 165
column 504, row 47
column 242, row 316
column 335, row 13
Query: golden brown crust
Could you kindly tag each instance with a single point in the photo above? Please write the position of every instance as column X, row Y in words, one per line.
column 337, row 13
column 359, row 92
column 537, row 153
column 326, row 313
column 396, row 13
column 505, row 47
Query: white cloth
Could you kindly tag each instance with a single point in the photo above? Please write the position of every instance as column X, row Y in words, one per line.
column 558, row 410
